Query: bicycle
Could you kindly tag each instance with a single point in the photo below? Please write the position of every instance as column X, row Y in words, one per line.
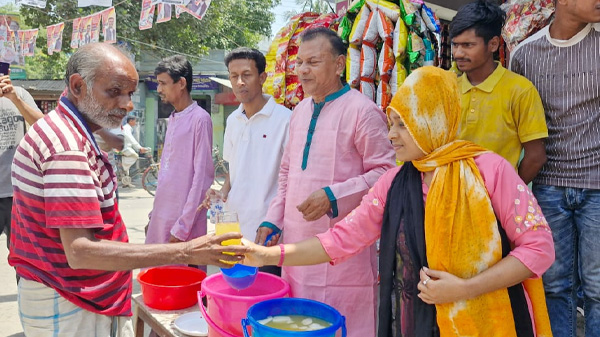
column 221, row 169
column 148, row 169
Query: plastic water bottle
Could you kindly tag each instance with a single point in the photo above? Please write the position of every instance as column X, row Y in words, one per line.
column 216, row 206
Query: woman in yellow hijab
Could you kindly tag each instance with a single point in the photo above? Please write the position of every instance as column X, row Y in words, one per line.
column 463, row 241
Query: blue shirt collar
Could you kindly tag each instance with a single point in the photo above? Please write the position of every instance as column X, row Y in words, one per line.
column 69, row 109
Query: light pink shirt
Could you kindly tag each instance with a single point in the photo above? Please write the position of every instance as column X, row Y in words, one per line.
column 513, row 203
column 186, row 173
column 349, row 152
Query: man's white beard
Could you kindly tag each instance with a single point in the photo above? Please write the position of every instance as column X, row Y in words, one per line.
column 94, row 113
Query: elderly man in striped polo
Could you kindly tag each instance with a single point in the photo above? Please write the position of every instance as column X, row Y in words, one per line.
column 69, row 244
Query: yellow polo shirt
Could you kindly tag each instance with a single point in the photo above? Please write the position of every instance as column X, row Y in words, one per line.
column 501, row 113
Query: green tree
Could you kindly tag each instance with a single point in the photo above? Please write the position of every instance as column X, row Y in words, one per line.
column 227, row 24
column 316, row 6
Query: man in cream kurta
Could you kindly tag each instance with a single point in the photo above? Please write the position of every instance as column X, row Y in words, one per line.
column 337, row 150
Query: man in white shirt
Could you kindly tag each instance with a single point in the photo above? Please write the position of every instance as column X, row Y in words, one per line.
column 131, row 147
column 255, row 137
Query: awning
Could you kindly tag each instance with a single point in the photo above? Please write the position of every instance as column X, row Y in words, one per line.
column 221, row 81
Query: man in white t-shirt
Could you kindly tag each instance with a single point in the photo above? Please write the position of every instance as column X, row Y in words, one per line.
column 255, row 137
column 131, row 147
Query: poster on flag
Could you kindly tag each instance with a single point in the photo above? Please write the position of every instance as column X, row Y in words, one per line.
column 75, row 34
column 28, row 42
column 54, row 35
column 87, row 3
column 109, row 30
column 197, row 8
column 163, row 13
column 85, row 30
column 96, row 19
column 147, row 15
column 12, row 51
column 32, row 3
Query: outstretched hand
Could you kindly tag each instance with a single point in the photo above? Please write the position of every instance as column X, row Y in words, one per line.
column 438, row 287
column 256, row 256
column 207, row 249
column 263, row 233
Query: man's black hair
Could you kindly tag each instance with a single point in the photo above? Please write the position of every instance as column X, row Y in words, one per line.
column 485, row 17
column 176, row 67
column 337, row 45
column 131, row 118
column 244, row 53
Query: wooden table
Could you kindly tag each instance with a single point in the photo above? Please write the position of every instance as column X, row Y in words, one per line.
column 160, row 321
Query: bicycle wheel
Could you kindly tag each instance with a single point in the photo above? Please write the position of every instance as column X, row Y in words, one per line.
column 150, row 179
column 220, row 174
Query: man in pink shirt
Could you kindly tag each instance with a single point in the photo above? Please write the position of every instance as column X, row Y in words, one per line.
column 186, row 170
column 337, row 150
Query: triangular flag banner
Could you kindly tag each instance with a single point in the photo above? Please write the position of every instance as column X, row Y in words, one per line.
column 76, row 33
column 55, row 37
column 169, row 2
column 85, row 30
column 96, row 19
column 163, row 13
column 197, row 8
column 101, row 3
column 29, row 40
column 13, row 51
column 33, row 3
column 147, row 15
column 109, row 30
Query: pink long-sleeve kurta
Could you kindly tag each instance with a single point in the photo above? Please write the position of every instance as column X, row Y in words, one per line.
column 513, row 203
column 348, row 153
column 186, row 173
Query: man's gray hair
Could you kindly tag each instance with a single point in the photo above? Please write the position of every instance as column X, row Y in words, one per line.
column 86, row 61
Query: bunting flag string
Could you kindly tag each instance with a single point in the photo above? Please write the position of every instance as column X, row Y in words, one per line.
column 87, row 29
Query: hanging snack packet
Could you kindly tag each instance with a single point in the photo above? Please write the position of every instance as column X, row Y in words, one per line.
column 358, row 27
column 367, row 87
column 400, row 40
column 384, row 95
column 385, row 27
column 398, row 77
column 368, row 61
column 344, row 29
column 431, row 20
column 390, row 9
column 353, row 66
column 371, row 34
column 386, row 61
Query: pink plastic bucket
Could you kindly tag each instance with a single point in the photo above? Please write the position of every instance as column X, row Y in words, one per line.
column 227, row 306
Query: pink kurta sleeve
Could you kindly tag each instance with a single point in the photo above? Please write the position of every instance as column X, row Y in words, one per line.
column 377, row 155
column 362, row 227
column 518, row 212
column 203, row 176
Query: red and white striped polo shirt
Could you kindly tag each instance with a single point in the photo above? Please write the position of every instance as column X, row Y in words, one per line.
column 61, row 179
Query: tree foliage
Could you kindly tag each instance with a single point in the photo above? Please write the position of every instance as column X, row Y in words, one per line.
column 315, row 6
column 227, row 24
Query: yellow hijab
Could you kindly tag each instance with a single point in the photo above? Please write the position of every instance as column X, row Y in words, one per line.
column 461, row 230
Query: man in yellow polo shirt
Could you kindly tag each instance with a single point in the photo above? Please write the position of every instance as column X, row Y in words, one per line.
column 501, row 110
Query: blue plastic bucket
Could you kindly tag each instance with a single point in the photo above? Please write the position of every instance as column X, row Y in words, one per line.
column 292, row 306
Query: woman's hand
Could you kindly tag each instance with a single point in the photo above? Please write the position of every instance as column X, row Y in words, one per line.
column 437, row 287
column 258, row 256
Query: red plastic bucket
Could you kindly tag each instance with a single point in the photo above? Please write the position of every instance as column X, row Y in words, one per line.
column 170, row 287
column 227, row 307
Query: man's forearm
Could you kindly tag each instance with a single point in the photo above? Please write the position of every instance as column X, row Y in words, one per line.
column 84, row 252
column 30, row 114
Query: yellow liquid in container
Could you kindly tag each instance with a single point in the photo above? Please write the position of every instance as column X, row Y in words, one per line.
column 228, row 227
column 295, row 323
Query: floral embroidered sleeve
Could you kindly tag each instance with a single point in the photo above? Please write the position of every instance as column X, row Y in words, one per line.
column 519, row 213
column 361, row 227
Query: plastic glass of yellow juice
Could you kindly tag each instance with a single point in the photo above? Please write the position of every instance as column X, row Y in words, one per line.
column 227, row 222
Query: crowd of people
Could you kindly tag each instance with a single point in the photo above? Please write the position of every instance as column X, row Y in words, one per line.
column 466, row 247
